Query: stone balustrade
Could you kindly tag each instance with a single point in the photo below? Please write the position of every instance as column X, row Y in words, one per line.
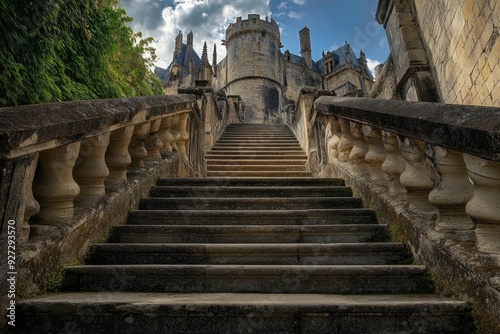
column 72, row 170
column 433, row 140
column 430, row 170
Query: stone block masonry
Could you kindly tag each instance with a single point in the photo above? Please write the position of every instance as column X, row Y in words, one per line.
column 462, row 41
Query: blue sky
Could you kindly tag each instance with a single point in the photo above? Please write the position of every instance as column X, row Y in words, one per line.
column 331, row 22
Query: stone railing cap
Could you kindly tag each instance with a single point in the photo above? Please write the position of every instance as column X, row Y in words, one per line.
column 30, row 126
column 470, row 129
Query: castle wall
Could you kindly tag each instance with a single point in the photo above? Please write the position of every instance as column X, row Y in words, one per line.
column 463, row 44
column 254, row 67
column 262, row 97
column 297, row 77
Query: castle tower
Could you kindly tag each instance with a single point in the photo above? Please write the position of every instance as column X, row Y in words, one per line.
column 254, row 66
column 305, row 45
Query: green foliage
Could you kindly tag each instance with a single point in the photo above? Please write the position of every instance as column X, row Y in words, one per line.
column 58, row 50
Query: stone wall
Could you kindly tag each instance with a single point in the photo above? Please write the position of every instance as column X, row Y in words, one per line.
column 298, row 77
column 462, row 41
column 444, row 50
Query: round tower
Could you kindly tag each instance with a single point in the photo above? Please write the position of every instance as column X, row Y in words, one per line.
column 254, row 67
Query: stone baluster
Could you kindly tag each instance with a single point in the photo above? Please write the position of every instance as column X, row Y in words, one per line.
column 31, row 206
column 183, row 134
column 417, row 177
column 359, row 148
column 153, row 144
column 90, row 170
column 376, row 154
column 166, row 135
column 333, row 134
column 174, row 130
column 453, row 191
column 394, row 164
column 346, row 141
column 54, row 187
column 117, row 157
column 136, row 149
column 484, row 207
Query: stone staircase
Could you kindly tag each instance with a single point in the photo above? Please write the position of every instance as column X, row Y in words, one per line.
column 257, row 247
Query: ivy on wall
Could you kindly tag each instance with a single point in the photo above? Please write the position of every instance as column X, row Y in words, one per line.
column 59, row 50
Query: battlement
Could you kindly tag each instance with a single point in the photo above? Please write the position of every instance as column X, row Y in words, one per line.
column 253, row 23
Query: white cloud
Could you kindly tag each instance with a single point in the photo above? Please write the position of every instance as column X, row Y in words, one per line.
column 294, row 15
column 282, row 5
column 299, row 2
column 372, row 64
column 186, row 15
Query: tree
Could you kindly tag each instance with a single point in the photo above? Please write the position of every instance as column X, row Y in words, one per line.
column 58, row 50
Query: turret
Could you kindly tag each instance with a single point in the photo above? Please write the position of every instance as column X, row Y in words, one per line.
column 214, row 63
column 348, row 55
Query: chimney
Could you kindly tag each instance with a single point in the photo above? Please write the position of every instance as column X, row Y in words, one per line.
column 190, row 40
column 305, row 46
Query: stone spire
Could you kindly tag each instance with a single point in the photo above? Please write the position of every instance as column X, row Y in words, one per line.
column 190, row 40
column 204, row 55
column 214, row 64
column 178, row 44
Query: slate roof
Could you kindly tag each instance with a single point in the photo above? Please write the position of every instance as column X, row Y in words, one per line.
column 181, row 60
column 339, row 55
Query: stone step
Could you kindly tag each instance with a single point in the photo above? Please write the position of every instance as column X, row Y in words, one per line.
column 254, row 234
column 256, row 168
column 235, row 161
column 262, row 141
column 253, row 157
column 260, row 174
column 254, row 217
column 248, row 182
column 281, row 153
column 304, row 254
column 215, row 313
column 269, row 136
column 245, row 203
column 334, row 279
column 270, row 147
column 235, row 191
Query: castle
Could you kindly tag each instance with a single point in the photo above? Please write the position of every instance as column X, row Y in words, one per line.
column 255, row 69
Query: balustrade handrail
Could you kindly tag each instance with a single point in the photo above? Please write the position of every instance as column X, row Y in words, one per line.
column 32, row 128
column 470, row 129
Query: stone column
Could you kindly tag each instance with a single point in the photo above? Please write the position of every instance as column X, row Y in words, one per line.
column 453, row 191
column 153, row 144
column 394, row 164
column 136, row 149
column 174, row 130
column 333, row 134
column 90, row 170
column 54, row 187
column 117, row 157
column 376, row 154
column 183, row 134
column 166, row 135
column 484, row 207
column 417, row 177
column 359, row 148
column 346, row 141
column 31, row 206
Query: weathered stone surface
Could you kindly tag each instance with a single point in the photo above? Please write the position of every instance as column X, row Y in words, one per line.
column 31, row 128
column 469, row 129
